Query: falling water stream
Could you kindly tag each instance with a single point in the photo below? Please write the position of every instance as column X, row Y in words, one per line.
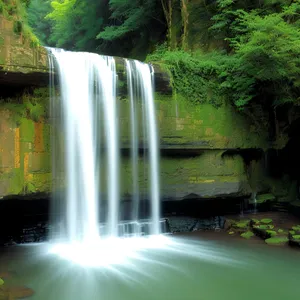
column 89, row 113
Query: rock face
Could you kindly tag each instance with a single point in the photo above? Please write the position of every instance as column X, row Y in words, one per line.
column 207, row 152
column 195, row 145
column 24, row 145
column 21, row 62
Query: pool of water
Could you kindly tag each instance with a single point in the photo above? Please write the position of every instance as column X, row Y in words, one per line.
column 188, row 268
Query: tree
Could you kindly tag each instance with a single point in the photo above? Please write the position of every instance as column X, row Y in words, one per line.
column 76, row 23
column 136, row 24
column 37, row 11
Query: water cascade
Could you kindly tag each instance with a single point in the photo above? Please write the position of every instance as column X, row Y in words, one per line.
column 86, row 140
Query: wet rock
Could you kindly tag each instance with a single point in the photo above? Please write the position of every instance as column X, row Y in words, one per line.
column 247, row 235
column 277, row 241
column 241, row 226
column 294, row 236
column 263, row 228
column 188, row 224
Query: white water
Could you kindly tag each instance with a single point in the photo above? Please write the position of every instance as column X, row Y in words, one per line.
column 88, row 111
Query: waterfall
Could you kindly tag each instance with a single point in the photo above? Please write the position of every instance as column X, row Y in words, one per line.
column 86, row 139
column 140, row 85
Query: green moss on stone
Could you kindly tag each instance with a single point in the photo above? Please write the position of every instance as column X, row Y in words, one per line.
column 242, row 224
column 264, row 227
column 29, row 188
column 279, row 240
column 272, row 233
column 247, row 235
column 264, row 198
column 26, row 130
column 266, row 221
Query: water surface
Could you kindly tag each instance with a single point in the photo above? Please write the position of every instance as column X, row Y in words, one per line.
column 188, row 269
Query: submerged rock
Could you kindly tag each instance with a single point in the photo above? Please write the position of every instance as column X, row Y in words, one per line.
column 14, row 293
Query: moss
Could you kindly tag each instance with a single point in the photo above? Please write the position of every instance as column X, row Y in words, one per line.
column 266, row 221
column 1, row 281
column 296, row 228
column 296, row 237
column 27, row 130
column 264, row 227
column 264, row 198
column 279, row 240
column 242, row 224
column 18, row 27
column 17, row 111
column 231, row 232
column 41, row 182
column 247, row 235
column 15, row 179
column 29, row 188
column 280, row 230
column 292, row 232
column 272, row 233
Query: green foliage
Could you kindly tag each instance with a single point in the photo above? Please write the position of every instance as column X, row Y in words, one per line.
column 98, row 26
column 16, row 11
column 259, row 60
column 37, row 11
column 130, row 16
column 194, row 74
column 75, row 23
column 266, row 48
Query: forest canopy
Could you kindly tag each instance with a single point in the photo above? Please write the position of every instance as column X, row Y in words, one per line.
column 245, row 50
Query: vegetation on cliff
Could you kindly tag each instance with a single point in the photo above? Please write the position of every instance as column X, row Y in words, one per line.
column 15, row 10
column 247, row 51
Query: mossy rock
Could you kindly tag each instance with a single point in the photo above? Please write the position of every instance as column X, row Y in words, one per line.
column 292, row 232
column 280, row 230
column 228, row 224
column 264, row 198
column 1, row 281
column 231, row 232
column 247, row 235
column 266, row 221
column 264, row 226
column 241, row 224
column 294, row 240
column 296, row 228
column 277, row 241
column 272, row 233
